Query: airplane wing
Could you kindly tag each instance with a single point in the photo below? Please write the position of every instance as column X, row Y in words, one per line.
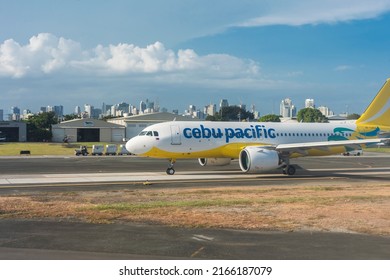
column 303, row 148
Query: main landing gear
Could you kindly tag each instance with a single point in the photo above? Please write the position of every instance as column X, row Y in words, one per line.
column 287, row 168
column 170, row 170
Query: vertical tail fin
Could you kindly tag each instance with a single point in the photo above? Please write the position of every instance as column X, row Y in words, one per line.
column 377, row 113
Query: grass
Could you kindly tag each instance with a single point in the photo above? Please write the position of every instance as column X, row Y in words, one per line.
column 41, row 149
column 359, row 208
column 163, row 204
column 378, row 150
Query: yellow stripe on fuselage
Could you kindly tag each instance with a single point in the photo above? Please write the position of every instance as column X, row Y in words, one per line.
column 231, row 150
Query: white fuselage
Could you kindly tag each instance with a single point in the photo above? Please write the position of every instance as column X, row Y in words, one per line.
column 226, row 139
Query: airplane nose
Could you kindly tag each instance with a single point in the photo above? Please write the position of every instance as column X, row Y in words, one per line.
column 130, row 146
column 137, row 146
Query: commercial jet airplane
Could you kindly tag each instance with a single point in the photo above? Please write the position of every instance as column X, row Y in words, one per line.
column 261, row 147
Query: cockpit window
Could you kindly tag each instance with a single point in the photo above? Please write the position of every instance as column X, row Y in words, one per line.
column 148, row 133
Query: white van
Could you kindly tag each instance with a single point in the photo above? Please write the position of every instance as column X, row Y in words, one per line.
column 353, row 153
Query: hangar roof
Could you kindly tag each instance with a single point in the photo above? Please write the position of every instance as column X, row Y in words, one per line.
column 83, row 123
column 157, row 117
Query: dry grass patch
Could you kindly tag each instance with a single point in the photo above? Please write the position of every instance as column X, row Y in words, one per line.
column 348, row 208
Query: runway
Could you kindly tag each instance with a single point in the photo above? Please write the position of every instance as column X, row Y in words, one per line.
column 19, row 172
column 62, row 239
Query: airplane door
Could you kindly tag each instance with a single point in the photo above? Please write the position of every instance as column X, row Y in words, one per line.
column 175, row 135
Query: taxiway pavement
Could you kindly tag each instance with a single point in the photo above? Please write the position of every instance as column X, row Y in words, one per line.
column 38, row 239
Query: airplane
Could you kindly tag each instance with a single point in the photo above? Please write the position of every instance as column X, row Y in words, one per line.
column 261, row 147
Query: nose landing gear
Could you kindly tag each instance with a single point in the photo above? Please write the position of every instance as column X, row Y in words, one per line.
column 170, row 170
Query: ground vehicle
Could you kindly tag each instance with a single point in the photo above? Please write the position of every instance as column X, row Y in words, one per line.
column 82, row 151
column 97, row 150
column 353, row 153
column 111, row 150
column 123, row 151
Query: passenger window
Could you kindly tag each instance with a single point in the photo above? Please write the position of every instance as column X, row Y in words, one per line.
column 155, row 133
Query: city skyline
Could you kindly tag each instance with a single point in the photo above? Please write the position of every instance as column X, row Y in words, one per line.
column 286, row 109
column 193, row 52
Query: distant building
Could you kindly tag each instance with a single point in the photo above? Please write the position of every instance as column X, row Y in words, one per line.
column 210, row 110
column 326, row 111
column 13, row 131
column 1, row 115
column 88, row 110
column 135, row 124
column 287, row 109
column 77, row 110
column 309, row 103
column 224, row 103
column 14, row 114
column 88, row 130
column 142, row 107
column 58, row 110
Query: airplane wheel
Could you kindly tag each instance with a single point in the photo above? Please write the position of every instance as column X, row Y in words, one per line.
column 290, row 170
column 170, row 171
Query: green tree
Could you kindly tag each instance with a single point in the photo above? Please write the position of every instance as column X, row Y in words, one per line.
column 233, row 113
column 270, row 118
column 39, row 127
column 70, row 117
column 211, row 118
column 310, row 115
column 353, row 116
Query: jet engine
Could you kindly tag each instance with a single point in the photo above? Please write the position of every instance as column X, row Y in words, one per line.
column 256, row 159
column 214, row 161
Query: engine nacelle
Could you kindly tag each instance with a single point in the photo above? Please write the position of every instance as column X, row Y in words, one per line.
column 214, row 161
column 256, row 160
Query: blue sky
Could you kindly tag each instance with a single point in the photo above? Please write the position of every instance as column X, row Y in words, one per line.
column 193, row 52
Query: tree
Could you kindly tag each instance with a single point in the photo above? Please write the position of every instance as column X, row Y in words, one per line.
column 353, row 116
column 232, row 113
column 39, row 127
column 270, row 118
column 311, row 115
column 70, row 117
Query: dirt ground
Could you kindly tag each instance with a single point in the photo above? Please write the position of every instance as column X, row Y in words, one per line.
column 331, row 207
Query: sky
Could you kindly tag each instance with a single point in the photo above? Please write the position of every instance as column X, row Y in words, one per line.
column 182, row 52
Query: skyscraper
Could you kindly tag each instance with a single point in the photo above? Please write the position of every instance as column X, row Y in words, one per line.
column 224, row 103
column 287, row 108
column 309, row 103
column 142, row 107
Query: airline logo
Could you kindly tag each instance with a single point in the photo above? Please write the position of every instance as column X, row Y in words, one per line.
column 251, row 132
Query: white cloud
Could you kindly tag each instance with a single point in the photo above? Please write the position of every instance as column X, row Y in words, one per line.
column 295, row 13
column 343, row 68
column 46, row 54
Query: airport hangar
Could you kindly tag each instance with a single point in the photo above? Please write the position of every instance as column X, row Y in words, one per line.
column 135, row 124
column 88, row 130
column 12, row 131
column 112, row 130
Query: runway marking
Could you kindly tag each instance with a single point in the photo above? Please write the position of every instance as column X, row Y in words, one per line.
column 157, row 182
column 135, row 179
column 197, row 252
column 202, row 238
